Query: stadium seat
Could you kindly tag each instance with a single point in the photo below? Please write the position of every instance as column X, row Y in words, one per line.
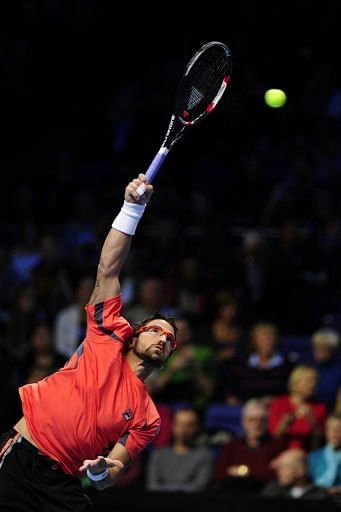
column 297, row 348
column 223, row 417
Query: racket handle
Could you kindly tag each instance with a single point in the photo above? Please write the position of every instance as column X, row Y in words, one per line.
column 153, row 168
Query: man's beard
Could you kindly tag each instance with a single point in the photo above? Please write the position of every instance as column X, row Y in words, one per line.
column 155, row 362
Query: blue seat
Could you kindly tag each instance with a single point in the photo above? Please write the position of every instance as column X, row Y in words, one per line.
column 174, row 406
column 297, row 348
column 223, row 417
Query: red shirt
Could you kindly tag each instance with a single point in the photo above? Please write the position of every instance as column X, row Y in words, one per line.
column 300, row 431
column 95, row 400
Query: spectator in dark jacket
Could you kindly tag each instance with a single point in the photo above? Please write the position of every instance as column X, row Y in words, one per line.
column 243, row 464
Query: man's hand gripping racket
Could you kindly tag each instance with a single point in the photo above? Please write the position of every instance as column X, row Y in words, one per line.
column 199, row 91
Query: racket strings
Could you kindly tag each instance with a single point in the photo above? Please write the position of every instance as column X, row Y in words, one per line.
column 195, row 96
column 202, row 82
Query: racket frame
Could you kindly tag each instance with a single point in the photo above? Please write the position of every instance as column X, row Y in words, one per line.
column 178, row 125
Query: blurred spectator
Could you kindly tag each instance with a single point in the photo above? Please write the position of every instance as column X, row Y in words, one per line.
column 225, row 329
column 50, row 278
column 248, row 272
column 327, row 361
column 243, row 464
column 24, row 313
column 187, row 375
column 293, row 197
column 41, row 359
column 25, row 255
column 149, row 300
column 181, row 467
column 333, row 107
column 292, row 481
column 191, row 298
column 69, row 324
column 286, row 299
column 298, row 416
column 262, row 372
column 325, row 463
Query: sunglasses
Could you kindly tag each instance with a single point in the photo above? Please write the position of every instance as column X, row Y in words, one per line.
column 158, row 331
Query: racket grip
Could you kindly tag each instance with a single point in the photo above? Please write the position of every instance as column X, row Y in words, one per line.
column 153, row 168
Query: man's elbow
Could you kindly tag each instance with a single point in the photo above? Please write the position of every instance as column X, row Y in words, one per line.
column 104, row 269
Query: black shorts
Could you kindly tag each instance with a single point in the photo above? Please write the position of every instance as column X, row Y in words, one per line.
column 31, row 482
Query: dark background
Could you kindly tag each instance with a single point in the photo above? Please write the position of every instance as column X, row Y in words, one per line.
column 86, row 93
column 66, row 65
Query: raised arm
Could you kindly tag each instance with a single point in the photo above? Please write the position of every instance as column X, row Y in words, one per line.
column 117, row 243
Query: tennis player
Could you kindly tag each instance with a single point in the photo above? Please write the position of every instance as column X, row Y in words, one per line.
column 94, row 415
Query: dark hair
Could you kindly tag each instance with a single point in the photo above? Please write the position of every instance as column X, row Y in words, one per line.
column 157, row 316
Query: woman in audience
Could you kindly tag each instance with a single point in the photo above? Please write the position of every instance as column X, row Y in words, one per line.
column 324, row 463
column 263, row 372
column 297, row 415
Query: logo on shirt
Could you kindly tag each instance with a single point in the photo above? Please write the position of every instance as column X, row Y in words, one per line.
column 128, row 414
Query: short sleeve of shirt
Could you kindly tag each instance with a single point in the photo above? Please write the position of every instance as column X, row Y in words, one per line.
column 104, row 320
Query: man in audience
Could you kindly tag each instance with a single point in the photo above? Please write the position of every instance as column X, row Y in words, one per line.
column 326, row 359
column 244, row 463
column 292, row 480
column 183, row 466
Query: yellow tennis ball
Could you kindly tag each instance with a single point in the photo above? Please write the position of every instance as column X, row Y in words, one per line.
column 275, row 98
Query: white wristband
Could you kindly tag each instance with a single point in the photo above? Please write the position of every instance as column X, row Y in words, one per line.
column 99, row 476
column 128, row 218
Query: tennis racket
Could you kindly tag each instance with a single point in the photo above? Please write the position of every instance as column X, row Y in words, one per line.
column 199, row 91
